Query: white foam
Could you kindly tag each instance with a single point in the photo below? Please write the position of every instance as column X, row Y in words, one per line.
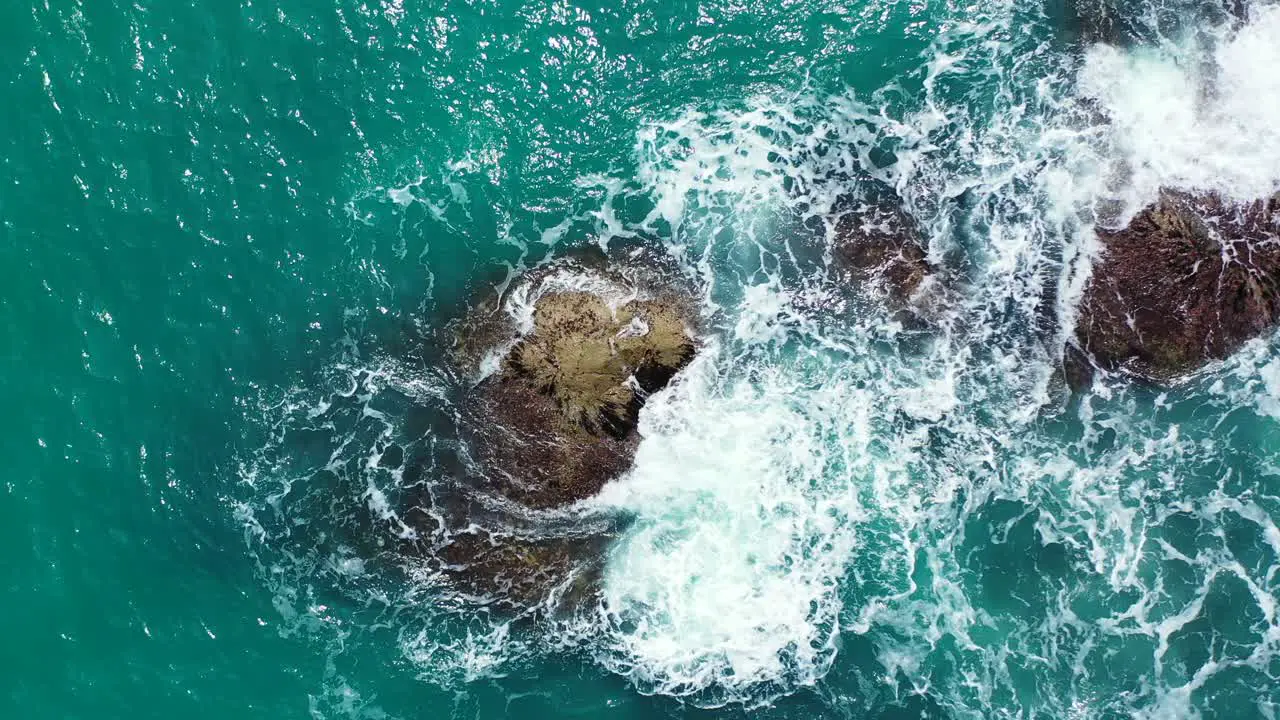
column 728, row 581
column 1197, row 113
column 765, row 471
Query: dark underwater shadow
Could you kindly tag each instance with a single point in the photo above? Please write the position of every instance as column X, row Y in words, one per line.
column 1135, row 22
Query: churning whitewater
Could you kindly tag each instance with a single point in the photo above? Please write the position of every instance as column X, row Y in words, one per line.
column 915, row 506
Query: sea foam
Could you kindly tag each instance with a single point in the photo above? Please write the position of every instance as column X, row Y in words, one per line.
column 1196, row 112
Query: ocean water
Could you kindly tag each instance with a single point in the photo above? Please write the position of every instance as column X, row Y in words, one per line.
column 235, row 238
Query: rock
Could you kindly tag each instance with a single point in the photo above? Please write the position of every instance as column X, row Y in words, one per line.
column 515, row 572
column 530, row 454
column 1100, row 21
column 1188, row 280
column 554, row 420
column 597, row 362
column 558, row 419
column 880, row 245
column 1131, row 22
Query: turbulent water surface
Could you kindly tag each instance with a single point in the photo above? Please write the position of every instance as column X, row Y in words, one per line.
column 237, row 237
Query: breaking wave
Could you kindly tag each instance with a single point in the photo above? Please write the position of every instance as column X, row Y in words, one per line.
column 913, row 505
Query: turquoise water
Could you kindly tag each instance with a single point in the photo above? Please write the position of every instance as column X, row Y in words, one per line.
column 235, row 236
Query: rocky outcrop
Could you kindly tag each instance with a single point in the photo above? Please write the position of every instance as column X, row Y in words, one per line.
column 1188, row 280
column 512, row 571
column 556, row 417
column 880, row 246
column 597, row 362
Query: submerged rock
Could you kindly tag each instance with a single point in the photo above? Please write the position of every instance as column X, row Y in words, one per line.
column 529, row 454
column 880, row 245
column 1188, row 280
column 1131, row 22
column 510, row 571
column 1099, row 21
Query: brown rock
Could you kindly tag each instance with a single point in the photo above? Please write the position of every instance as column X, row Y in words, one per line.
column 881, row 245
column 531, row 455
column 583, row 354
column 518, row 572
column 558, row 419
column 553, row 424
column 1188, row 280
